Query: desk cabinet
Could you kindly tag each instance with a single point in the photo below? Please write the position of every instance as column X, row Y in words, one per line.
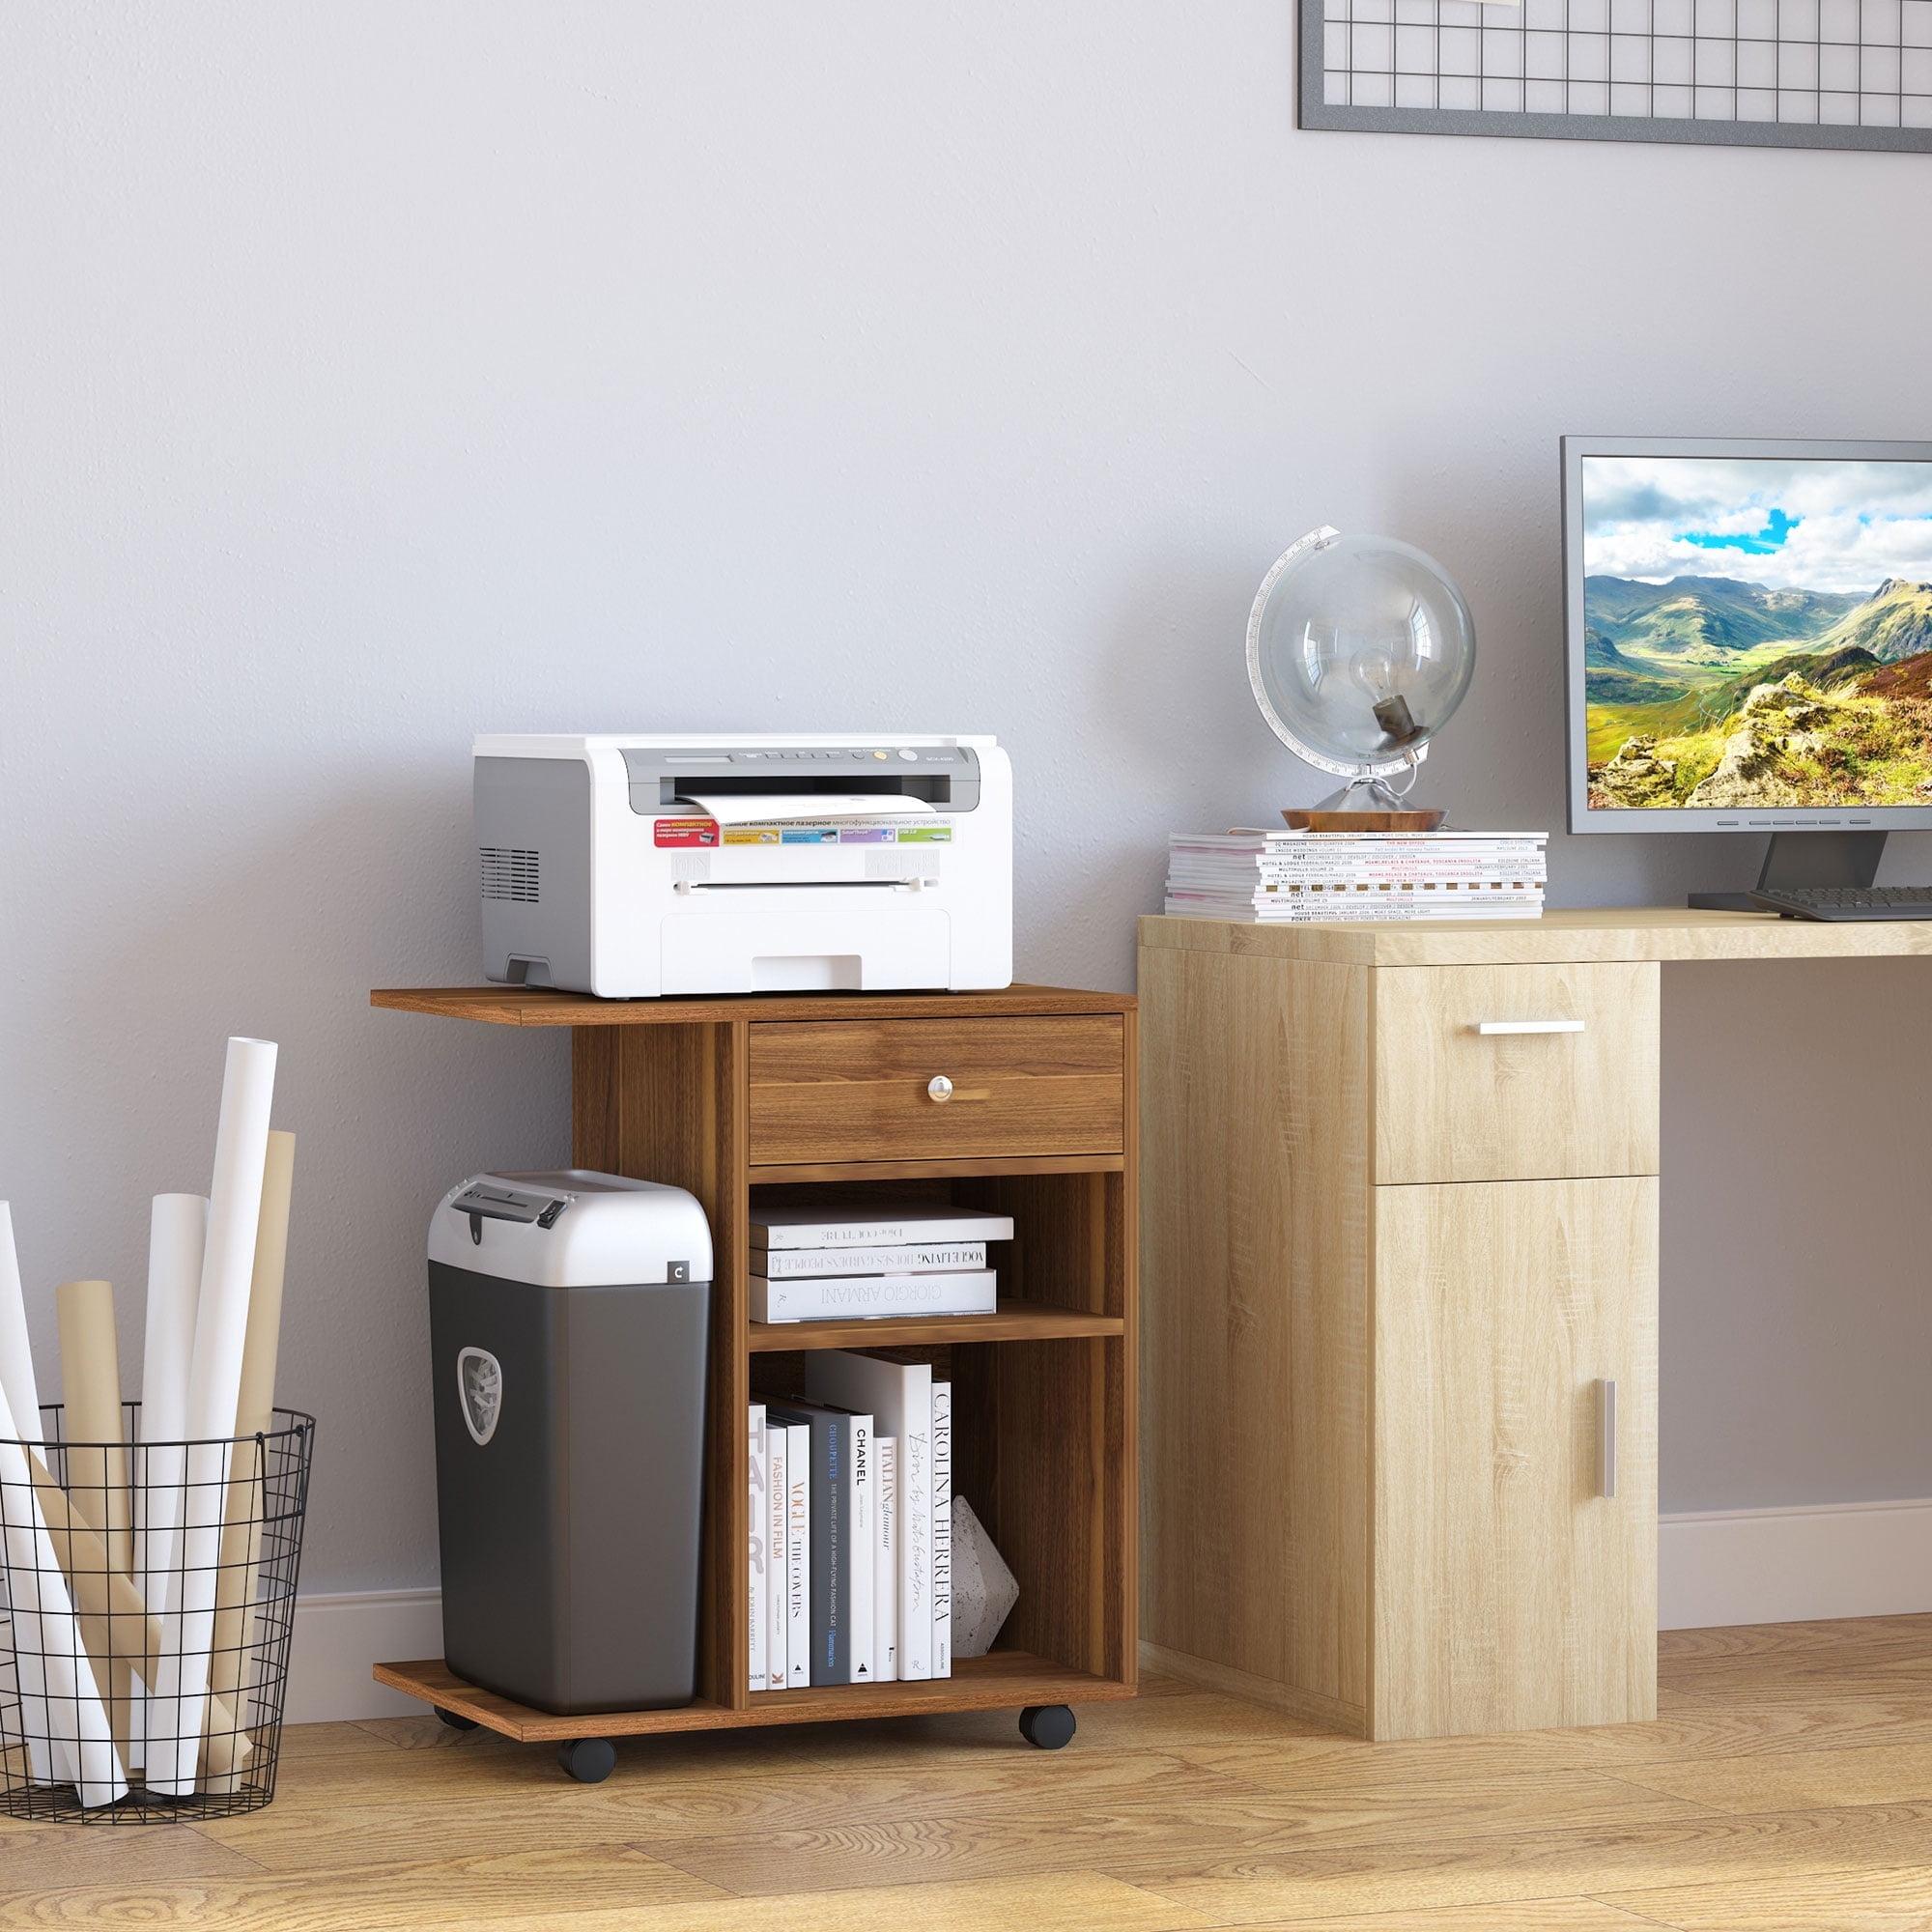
column 1400, row 1299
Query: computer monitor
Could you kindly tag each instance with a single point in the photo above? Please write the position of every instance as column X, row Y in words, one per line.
column 1749, row 629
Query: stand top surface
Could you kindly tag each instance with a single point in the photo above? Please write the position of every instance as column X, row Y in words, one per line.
column 1558, row 938
column 540, row 1006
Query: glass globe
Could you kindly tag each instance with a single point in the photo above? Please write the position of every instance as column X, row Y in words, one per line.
column 1359, row 650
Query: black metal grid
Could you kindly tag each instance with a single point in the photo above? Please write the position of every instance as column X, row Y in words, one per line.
column 1852, row 73
column 262, row 1497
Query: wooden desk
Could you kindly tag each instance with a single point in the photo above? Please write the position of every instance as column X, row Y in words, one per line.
column 1390, row 1263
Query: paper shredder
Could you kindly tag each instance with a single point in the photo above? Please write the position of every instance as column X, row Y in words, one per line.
column 569, row 1317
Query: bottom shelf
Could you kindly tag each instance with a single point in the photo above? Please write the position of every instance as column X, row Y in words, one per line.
column 1003, row 1679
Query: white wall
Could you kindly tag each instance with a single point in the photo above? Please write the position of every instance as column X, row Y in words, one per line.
column 378, row 372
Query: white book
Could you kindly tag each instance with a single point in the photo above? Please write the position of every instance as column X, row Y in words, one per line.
column 928, row 1258
column 778, row 1439
column 899, row 1395
column 942, row 1529
column 798, row 1555
column 886, row 1564
column 1275, row 835
column 860, row 1225
column 1349, row 915
column 866, row 1297
column 761, row 1522
column 865, row 1495
column 1268, row 871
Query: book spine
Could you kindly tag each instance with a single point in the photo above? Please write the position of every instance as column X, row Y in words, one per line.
column 942, row 1529
column 760, row 1522
column 915, row 1533
column 777, row 1448
column 881, row 1233
column 798, row 1555
column 849, row 1297
column 886, row 1561
column 859, row 1549
column 830, row 1655
column 782, row 1264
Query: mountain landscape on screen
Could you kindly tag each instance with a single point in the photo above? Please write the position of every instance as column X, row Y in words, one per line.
column 1757, row 634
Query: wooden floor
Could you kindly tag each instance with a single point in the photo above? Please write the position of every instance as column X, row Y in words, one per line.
column 1787, row 1783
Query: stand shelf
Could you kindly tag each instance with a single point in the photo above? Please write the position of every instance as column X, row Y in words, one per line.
column 723, row 1095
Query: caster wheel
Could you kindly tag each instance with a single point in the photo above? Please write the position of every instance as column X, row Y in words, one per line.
column 1046, row 1726
column 455, row 1722
column 588, row 1760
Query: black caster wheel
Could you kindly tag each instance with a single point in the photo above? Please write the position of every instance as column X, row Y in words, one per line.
column 455, row 1722
column 588, row 1760
column 1046, row 1726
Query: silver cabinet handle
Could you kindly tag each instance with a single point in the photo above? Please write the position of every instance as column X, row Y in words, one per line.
column 1606, row 1438
column 939, row 1088
column 1530, row 1026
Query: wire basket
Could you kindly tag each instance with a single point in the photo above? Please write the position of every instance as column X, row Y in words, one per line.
column 147, row 1601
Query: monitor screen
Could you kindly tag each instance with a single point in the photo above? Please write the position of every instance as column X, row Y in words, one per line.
column 1750, row 633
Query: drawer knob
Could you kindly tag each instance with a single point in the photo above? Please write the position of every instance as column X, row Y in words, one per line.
column 939, row 1088
column 1528, row 1026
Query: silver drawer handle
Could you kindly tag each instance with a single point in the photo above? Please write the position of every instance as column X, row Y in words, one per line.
column 1530, row 1026
column 1606, row 1438
column 939, row 1088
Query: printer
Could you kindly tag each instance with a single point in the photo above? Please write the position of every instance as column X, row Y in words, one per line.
column 631, row 867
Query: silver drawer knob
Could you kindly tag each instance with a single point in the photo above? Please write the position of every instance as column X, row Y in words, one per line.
column 939, row 1088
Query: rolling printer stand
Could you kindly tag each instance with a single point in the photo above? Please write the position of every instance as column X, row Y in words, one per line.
column 785, row 1096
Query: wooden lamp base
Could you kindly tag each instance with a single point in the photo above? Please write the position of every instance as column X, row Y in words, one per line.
column 1314, row 820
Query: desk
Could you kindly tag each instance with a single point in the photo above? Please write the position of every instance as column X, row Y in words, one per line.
column 1399, row 1307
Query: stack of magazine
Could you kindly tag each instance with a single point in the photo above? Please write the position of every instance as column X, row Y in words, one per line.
column 1317, row 877
column 851, row 1526
column 837, row 1262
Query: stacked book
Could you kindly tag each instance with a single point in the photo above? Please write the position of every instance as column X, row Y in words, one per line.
column 1317, row 877
column 851, row 1527
column 843, row 1262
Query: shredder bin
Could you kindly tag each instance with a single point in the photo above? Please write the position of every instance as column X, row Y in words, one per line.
column 569, row 1319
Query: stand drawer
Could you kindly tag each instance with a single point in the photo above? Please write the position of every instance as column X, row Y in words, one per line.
column 1515, row 1072
column 936, row 1089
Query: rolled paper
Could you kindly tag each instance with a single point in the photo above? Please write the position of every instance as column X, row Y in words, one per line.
column 177, row 1243
column 50, row 1654
column 16, row 1356
column 100, row 1593
column 179, row 1704
column 97, row 1462
column 23, row 1401
column 254, row 1415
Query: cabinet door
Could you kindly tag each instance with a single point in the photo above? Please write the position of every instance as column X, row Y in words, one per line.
column 1510, row 1591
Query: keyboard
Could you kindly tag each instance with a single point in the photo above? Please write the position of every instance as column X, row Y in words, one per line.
column 1848, row 901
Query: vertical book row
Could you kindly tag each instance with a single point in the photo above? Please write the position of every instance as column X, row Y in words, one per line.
column 851, row 1527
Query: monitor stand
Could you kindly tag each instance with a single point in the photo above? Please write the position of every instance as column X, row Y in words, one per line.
column 1805, row 859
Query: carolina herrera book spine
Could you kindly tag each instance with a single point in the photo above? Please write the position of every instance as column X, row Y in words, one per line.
column 942, row 1529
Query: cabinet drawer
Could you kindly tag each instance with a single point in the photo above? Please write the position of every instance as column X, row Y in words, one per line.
column 872, row 1089
column 1515, row 1072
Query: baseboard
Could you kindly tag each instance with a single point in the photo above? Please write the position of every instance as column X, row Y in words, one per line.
column 1222, row 1677
column 338, row 1638
column 1780, row 1566
column 1765, row 1565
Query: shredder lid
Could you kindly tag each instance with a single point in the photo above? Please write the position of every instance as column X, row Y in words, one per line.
column 571, row 1228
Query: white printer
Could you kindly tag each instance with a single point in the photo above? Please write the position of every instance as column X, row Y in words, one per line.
column 636, row 865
